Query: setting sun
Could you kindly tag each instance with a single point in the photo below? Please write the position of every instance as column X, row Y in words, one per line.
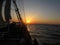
column 28, row 21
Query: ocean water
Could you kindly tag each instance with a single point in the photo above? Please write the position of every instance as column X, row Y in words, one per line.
column 45, row 34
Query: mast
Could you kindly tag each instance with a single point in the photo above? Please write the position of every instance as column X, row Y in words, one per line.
column 7, row 11
column 1, row 18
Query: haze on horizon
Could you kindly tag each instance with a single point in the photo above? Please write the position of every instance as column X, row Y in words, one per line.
column 39, row 11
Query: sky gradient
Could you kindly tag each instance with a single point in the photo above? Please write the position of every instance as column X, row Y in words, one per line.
column 41, row 11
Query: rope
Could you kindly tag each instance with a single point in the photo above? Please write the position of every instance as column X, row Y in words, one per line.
column 23, row 10
column 17, row 11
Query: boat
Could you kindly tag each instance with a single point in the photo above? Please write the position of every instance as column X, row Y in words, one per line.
column 13, row 33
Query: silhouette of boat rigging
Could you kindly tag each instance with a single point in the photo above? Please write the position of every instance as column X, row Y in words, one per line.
column 12, row 33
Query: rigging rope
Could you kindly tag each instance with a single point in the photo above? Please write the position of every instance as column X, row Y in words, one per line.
column 17, row 11
column 22, row 2
column 22, row 11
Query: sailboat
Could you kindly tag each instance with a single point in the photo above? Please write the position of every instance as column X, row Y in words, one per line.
column 12, row 33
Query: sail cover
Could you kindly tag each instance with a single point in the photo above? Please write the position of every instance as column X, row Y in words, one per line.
column 1, row 18
column 7, row 10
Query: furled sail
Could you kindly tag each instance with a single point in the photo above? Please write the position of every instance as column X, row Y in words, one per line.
column 1, row 18
column 7, row 10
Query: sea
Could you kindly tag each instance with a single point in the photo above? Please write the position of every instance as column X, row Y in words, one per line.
column 48, row 34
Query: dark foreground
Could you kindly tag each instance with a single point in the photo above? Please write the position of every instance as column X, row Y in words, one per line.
column 15, row 34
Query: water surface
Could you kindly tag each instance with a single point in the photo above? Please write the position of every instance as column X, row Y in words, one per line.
column 49, row 34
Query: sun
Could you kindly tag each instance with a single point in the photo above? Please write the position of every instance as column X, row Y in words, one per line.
column 28, row 21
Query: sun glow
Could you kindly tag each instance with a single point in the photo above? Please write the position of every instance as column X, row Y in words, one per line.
column 28, row 21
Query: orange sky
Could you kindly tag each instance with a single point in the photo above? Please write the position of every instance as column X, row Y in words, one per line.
column 32, row 20
column 39, row 12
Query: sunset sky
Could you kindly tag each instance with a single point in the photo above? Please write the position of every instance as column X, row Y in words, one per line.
column 40, row 11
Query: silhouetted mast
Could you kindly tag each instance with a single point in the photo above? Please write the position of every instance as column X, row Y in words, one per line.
column 7, row 11
column 1, row 18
